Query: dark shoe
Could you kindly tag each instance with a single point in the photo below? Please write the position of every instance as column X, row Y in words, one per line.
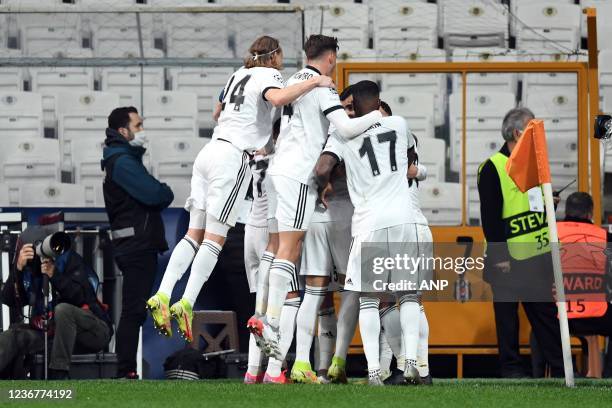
column 427, row 380
column 396, row 378
column 58, row 374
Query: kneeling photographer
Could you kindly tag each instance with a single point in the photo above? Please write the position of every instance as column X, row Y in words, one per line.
column 75, row 316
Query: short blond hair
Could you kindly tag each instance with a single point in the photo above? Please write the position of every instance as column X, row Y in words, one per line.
column 262, row 51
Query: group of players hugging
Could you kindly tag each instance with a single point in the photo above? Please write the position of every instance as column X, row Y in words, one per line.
column 331, row 174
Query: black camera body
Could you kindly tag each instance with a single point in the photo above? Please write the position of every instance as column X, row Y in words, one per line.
column 603, row 127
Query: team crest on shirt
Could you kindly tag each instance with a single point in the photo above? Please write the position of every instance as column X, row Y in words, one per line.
column 279, row 78
column 333, row 91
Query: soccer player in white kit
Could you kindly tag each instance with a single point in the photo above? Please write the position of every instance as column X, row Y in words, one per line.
column 304, row 130
column 221, row 176
column 377, row 166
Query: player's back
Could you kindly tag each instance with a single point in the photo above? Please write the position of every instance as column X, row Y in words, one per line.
column 246, row 117
column 304, row 128
column 376, row 166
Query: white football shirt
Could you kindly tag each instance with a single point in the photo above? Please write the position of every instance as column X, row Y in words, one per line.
column 246, row 118
column 304, row 127
column 376, row 167
column 258, row 217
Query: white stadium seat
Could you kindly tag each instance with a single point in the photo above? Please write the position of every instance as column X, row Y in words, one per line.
column 86, row 155
column 3, row 32
column 51, row 194
column 115, row 34
column 432, row 154
column 605, row 77
column 207, row 83
column 604, row 12
column 40, row 32
column 170, row 114
column 247, row 27
column 548, row 25
column 514, row 4
column 484, row 115
column 21, row 114
column 82, row 115
column 28, row 159
column 11, row 78
column 48, row 81
column 400, row 24
column 346, row 21
column 197, row 35
column 126, row 81
column 544, row 82
column 416, row 108
column 486, row 81
column 441, row 202
column 470, row 23
column 172, row 160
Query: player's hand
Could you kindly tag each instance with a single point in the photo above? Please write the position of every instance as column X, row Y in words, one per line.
column 503, row 267
column 325, row 81
column 412, row 171
column 556, row 199
column 47, row 267
column 327, row 190
column 26, row 254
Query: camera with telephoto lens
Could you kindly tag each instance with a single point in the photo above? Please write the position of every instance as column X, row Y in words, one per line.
column 53, row 245
column 603, row 127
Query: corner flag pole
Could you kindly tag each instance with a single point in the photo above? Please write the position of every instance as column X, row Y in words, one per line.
column 560, row 290
column 528, row 167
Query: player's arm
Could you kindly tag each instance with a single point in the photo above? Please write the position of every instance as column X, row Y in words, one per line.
column 346, row 128
column 323, row 170
column 278, row 96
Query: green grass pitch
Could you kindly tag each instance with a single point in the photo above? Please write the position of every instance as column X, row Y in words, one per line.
column 231, row 393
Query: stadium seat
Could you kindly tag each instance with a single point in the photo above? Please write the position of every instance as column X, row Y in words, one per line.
column 126, row 81
column 441, row 202
column 416, row 108
column 399, row 24
column 170, row 114
column 432, row 153
column 172, row 161
column 3, row 32
column 82, row 115
column 50, row 194
column 434, row 84
column 115, row 34
column 28, row 159
column 86, row 154
column 485, row 81
column 48, row 81
column 473, row 23
column 197, row 35
column 484, row 116
column 514, row 4
column 605, row 78
column 40, row 32
column 11, row 78
column 559, row 110
column 21, row 114
column 249, row 26
column 548, row 25
column 347, row 22
column 207, row 83
column 604, row 11
column 479, row 148
column 544, row 82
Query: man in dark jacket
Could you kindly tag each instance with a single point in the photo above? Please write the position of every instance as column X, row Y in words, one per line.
column 78, row 319
column 134, row 200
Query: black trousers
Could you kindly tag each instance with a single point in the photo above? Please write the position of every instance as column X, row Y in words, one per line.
column 545, row 325
column 138, row 270
column 596, row 325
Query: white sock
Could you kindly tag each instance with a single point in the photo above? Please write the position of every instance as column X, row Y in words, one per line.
column 410, row 315
column 347, row 322
column 282, row 273
column 386, row 354
column 327, row 338
column 254, row 362
column 306, row 321
column 286, row 328
column 423, row 348
column 182, row 256
column 392, row 329
column 369, row 326
column 263, row 275
column 203, row 265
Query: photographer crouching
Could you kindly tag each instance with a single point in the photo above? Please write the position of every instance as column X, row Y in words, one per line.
column 75, row 316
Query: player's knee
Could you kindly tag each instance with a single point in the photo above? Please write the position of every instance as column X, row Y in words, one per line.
column 317, row 281
column 216, row 230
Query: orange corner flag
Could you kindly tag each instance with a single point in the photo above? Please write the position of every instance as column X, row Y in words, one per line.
column 528, row 163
